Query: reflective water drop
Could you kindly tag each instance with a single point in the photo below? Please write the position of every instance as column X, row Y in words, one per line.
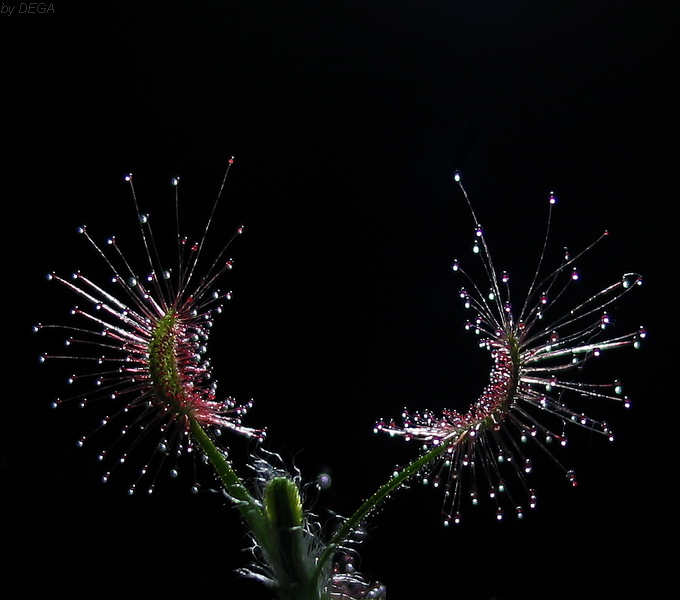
column 641, row 335
column 631, row 279
column 324, row 481
column 532, row 498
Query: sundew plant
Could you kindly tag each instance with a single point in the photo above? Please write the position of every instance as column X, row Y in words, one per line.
column 143, row 330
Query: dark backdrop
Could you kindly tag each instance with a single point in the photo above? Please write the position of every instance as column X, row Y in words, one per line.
column 347, row 120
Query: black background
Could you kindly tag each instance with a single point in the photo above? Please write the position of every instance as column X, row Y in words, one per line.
column 347, row 120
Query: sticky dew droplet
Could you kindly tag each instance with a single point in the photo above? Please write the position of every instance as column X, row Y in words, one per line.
column 532, row 499
column 630, row 279
column 571, row 476
column 324, row 481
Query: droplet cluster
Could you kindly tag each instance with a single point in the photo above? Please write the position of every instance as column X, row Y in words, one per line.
column 150, row 334
column 536, row 361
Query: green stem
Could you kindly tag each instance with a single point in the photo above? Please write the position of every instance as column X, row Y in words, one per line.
column 249, row 508
column 398, row 479
column 258, row 521
column 276, row 524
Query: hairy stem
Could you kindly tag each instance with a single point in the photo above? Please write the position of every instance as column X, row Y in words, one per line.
column 276, row 524
column 244, row 502
column 397, row 480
